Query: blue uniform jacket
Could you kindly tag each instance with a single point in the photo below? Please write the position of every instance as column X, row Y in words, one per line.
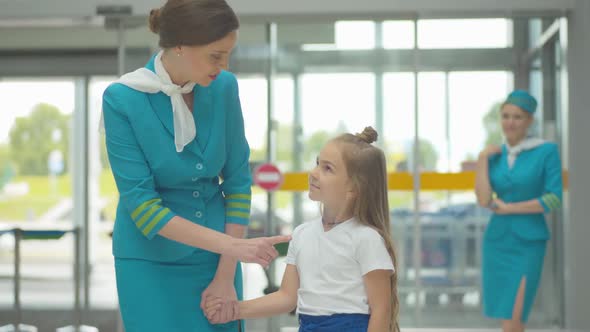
column 208, row 183
column 536, row 174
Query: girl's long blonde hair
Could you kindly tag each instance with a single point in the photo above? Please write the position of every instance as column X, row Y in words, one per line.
column 366, row 167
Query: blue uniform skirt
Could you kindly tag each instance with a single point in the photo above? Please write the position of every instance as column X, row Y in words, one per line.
column 166, row 297
column 334, row 323
column 506, row 261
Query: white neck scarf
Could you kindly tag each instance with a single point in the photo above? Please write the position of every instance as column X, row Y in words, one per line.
column 526, row 144
column 145, row 80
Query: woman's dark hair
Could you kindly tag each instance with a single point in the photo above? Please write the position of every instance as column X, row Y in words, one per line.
column 192, row 22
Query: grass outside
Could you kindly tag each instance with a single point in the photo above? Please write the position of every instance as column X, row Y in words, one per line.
column 44, row 192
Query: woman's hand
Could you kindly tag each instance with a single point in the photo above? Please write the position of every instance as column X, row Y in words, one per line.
column 223, row 294
column 259, row 250
column 499, row 206
column 490, row 150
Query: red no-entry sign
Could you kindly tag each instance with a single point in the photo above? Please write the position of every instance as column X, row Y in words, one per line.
column 268, row 177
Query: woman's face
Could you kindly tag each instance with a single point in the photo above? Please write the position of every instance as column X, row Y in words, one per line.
column 515, row 122
column 202, row 64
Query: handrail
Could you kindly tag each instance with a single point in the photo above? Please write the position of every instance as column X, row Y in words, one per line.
column 403, row 181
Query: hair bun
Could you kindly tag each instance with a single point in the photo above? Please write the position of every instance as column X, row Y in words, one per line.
column 154, row 20
column 368, row 135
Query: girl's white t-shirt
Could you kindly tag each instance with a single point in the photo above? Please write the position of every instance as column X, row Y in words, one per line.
column 331, row 265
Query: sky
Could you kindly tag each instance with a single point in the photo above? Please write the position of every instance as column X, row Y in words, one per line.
column 19, row 97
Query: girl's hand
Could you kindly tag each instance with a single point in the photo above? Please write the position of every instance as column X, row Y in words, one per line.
column 212, row 309
column 226, row 293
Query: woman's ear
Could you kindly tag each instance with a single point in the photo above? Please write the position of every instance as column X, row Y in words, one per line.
column 178, row 50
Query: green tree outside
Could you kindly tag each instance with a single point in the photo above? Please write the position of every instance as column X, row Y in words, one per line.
column 491, row 124
column 33, row 138
column 6, row 166
column 427, row 157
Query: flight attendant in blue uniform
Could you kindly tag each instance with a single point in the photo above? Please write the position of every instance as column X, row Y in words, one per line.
column 176, row 144
column 519, row 181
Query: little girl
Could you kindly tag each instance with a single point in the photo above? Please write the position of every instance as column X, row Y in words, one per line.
column 340, row 268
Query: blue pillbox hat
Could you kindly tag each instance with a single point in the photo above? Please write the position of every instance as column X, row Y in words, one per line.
column 523, row 100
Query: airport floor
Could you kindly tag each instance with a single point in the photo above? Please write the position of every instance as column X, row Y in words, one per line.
column 47, row 296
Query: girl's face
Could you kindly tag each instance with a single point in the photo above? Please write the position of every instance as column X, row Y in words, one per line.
column 202, row 64
column 515, row 123
column 329, row 182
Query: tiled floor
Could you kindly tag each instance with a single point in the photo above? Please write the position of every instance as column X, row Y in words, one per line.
column 474, row 330
column 294, row 329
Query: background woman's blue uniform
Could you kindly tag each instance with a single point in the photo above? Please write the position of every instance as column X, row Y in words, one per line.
column 514, row 244
column 160, row 281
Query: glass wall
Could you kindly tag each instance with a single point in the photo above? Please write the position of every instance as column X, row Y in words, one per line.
column 350, row 74
column 36, row 188
column 432, row 82
column 104, row 196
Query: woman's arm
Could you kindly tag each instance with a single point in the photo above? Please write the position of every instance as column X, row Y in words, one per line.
column 226, row 269
column 552, row 190
column 378, row 285
column 222, row 285
column 138, row 194
column 237, row 179
column 552, row 182
column 524, row 207
column 259, row 250
column 483, row 189
column 282, row 301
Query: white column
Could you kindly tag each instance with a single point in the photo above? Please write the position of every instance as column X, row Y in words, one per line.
column 577, row 209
